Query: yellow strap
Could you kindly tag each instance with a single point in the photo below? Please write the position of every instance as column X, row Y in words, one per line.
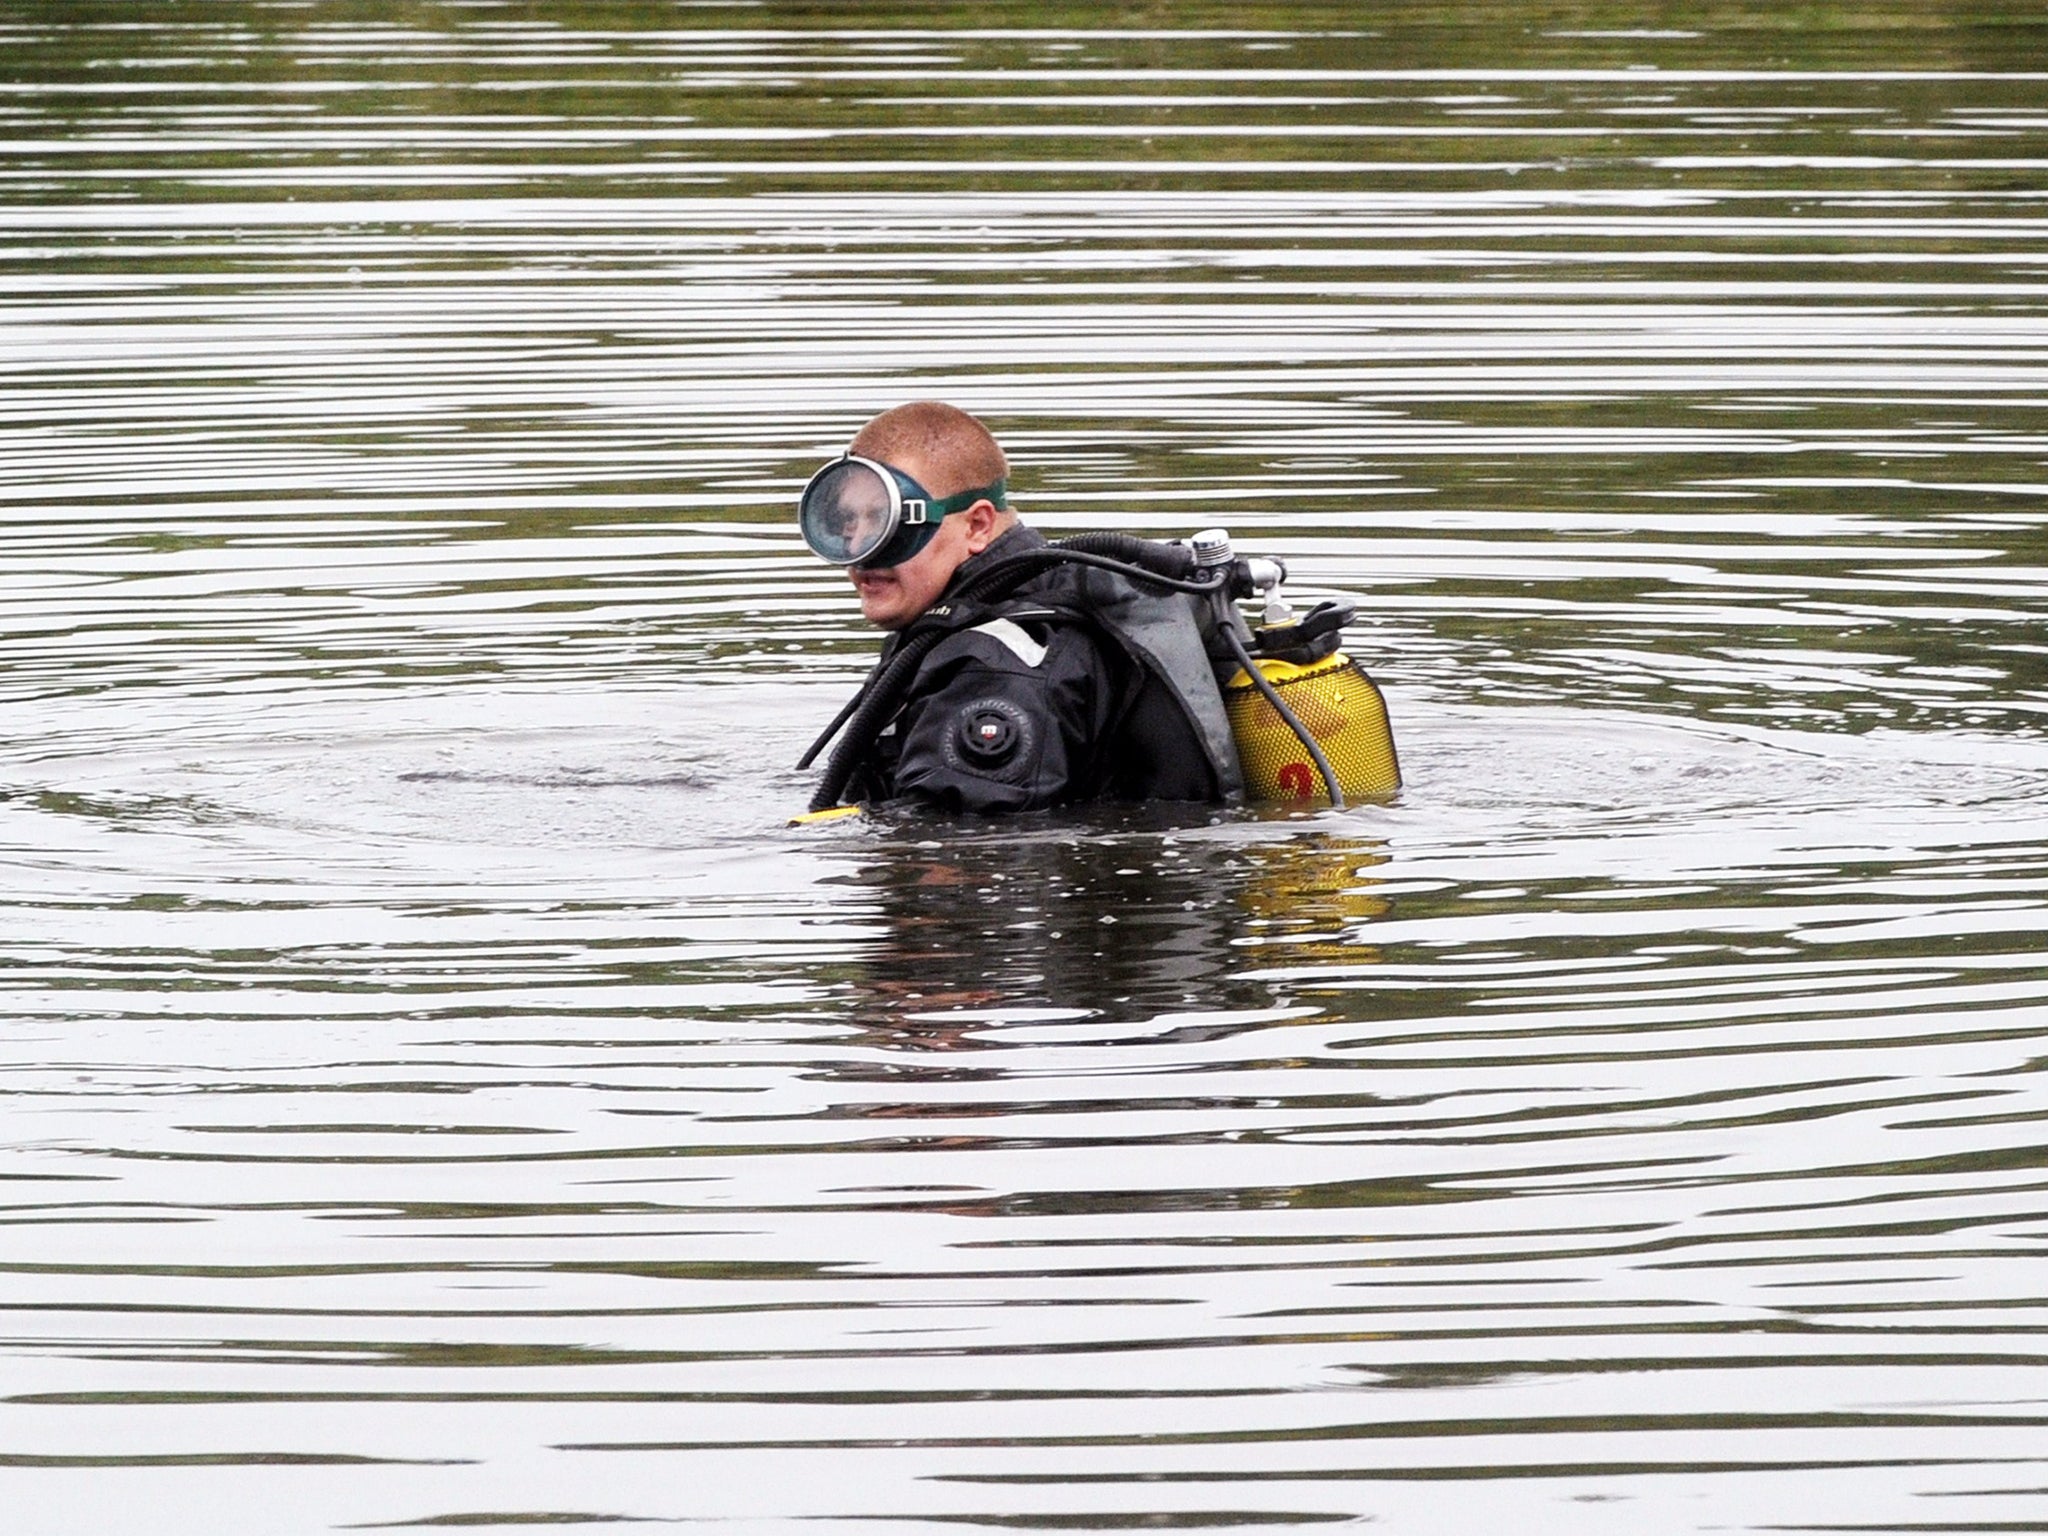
column 830, row 813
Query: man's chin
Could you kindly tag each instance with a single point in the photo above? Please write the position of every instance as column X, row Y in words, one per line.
column 882, row 605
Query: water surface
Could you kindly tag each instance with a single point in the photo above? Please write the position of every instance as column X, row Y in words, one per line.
column 441, row 1090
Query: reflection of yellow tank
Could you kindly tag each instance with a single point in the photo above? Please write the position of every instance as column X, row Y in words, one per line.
column 1339, row 706
column 1313, row 898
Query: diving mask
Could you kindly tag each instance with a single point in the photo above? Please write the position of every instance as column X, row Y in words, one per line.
column 863, row 512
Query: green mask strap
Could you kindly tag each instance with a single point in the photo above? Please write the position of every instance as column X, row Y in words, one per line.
column 922, row 515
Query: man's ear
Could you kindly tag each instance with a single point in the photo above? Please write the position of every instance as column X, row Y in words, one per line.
column 984, row 522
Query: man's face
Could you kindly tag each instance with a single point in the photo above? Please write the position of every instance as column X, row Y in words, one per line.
column 894, row 595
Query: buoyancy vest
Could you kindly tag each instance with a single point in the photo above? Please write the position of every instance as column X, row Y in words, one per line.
column 1172, row 739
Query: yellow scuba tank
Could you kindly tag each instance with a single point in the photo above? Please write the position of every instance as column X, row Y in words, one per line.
column 1333, row 699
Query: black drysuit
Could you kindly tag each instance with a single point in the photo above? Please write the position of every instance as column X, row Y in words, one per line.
column 1032, row 701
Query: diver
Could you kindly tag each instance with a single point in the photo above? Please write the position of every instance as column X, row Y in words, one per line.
column 1023, row 701
column 1020, row 674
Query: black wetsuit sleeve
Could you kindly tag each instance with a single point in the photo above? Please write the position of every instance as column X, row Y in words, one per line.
column 995, row 724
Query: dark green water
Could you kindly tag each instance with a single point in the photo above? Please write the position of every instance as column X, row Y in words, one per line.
column 440, row 1091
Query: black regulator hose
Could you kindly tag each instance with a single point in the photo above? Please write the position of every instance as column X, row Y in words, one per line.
column 869, row 711
column 1168, row 562
column 840, row 719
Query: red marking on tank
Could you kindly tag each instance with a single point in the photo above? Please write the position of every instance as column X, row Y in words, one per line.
column 1297, row 780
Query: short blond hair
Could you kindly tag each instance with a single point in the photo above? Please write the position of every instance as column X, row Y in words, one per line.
column 947, row 450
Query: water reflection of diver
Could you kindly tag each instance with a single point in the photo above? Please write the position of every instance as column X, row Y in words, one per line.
column 1107, row 912
column 1020, row 674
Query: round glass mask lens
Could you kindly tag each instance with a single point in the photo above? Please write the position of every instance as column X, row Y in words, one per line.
column 848, row 512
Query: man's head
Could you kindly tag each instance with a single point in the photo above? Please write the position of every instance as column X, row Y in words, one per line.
column 947, row 452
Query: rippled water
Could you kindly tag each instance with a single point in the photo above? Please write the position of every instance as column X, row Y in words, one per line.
column 440, row 1091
